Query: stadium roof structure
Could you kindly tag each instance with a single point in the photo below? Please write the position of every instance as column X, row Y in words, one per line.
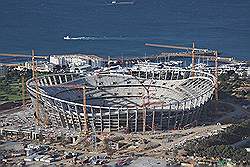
column 138, row 101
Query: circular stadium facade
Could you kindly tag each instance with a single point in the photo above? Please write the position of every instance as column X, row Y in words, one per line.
column 139, row 100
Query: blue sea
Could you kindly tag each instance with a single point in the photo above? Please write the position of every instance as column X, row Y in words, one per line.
column 123, row 29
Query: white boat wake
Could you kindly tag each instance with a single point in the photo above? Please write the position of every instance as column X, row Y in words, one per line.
column 122, row 3
column 89, row 38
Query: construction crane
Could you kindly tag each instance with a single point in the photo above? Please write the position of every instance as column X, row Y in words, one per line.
column 23, row 55
column 147, row 103
column 84, row 88
column 23, row 88
column 34, row 76
column 195, row 51
column 85, row 109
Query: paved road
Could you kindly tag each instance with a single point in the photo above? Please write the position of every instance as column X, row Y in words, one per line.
column 148, row 162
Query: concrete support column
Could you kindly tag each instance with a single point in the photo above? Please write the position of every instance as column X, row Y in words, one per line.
column 190, row 104
column 153, row 120
column 1, row 132
column 136, row 119
column 144, row 119
column 161, row 122
column 43, row 81
column 54, row 77
column 60, row 79
column 166, row 75
column 101, row 119
column 50, row 82
column 169, row 116
column 73, row 121
column 195, row 102
column 172, row 75
column 118, row 119
column 62, row 119
column 66, row 79
column 127, row 124
column 109, row 120
column 79, row 118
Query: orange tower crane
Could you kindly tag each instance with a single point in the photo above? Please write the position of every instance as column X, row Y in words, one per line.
column 34, row 76
column 84, row 88
column 194, row 50
column 23, row 90
column 85, row 109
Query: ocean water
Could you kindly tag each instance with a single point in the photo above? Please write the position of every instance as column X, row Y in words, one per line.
column 122, row 30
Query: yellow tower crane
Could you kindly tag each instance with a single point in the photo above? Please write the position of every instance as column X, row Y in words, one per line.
column 195, row 51
column 84, row 88
column 34, row 76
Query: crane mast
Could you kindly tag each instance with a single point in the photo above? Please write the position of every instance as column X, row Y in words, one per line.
column 86, row 128
column 193, row 49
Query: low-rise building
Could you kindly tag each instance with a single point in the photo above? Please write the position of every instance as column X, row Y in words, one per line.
column 76, row 60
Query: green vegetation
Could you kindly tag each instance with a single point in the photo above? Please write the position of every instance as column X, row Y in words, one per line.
column 220, row 146
column 230, row 82
column 11, row 86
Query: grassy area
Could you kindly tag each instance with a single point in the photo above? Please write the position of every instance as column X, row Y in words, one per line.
column 11, row 87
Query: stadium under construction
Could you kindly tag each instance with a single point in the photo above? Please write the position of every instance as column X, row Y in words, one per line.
column 139, row 99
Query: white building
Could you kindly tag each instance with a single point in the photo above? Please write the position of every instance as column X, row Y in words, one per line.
column 40, row 67
column 76, row 60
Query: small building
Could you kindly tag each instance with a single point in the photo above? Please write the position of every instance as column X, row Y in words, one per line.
column 41, row 66
column 75, row 60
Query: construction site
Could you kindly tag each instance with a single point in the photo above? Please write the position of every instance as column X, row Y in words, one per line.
column 114, row 116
